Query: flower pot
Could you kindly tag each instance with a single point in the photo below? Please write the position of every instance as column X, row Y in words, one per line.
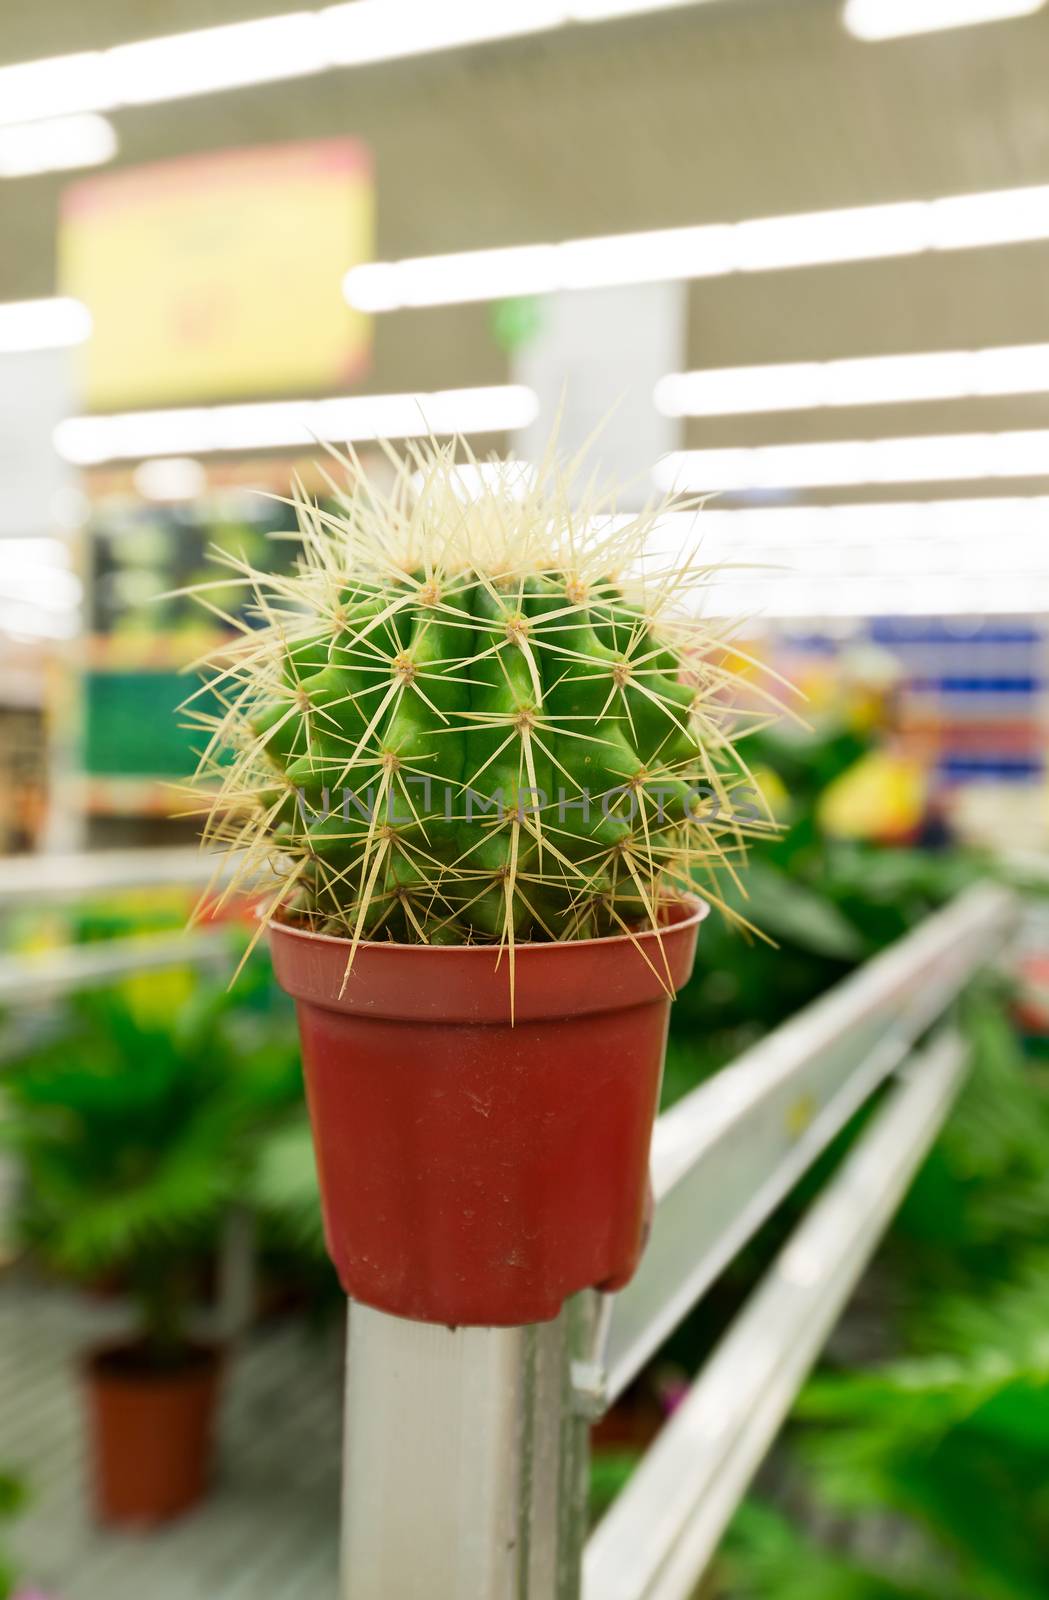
column 478, row 1170
column 151, row 1432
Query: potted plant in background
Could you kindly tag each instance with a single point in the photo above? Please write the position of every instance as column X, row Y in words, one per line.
column 134, row 1129
column 491, row 760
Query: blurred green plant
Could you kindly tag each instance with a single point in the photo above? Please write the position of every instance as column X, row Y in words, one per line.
column 951, row 1441
column 769, row 1557
column 979, row 1204
column 825, row 905
column 12, row 1498
column 284, row 1189
column 137, row 1128
column 610, row 1471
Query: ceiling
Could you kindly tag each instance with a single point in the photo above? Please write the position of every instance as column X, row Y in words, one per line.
column 716, row 112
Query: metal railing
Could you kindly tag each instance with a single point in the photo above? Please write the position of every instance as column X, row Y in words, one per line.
column 37, row 880
column 466, row 1450
column 693, row 1478
column 34, row 879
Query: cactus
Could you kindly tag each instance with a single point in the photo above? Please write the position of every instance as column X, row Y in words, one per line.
column 472, row 718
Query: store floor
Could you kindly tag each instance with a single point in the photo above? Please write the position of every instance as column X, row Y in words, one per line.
column 271, row 1524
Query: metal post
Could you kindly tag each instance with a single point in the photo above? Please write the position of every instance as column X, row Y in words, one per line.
column 465, row 1465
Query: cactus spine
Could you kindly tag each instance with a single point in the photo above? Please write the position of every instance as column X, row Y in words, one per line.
column 472, row 719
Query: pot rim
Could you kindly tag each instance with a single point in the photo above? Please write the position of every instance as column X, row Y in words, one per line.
column 100, row 1363
column 699, row 912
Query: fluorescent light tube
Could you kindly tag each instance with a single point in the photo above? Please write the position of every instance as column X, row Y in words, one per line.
column 603, row 10
column 761, row 244
column 858, row 233
column 859, row 381
column 56, row 144
column 875, row 595
column 55, row 86
column 1002, row 216
column 381, row 30
column 209, row 59
column 983, row 524
column 42, row 324
column 842, row 463
column 473, row 275
column 289, row 45
column 893, row 19
column 88, row 441
column 938, row 556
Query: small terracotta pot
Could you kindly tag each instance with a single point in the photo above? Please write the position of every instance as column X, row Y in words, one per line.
column 151, row 1432
column 476, row 1170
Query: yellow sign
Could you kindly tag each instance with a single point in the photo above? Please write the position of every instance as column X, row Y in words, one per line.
column 219, row 277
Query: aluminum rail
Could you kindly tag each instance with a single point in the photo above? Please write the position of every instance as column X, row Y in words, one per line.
column 664, row 1528
column 25, row 979
column 466, row 1450
column 725, row 1156
column 30, row 879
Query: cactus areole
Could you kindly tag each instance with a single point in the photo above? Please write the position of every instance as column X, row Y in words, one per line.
column 486, row 753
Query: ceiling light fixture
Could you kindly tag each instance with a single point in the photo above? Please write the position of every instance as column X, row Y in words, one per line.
column 965, row 457
column 980, row 521
column 859, row 381
column 603, row 10
column 298, row 424
column 893, row 19
column 761, row 244
column 289, row 45
column 56, row 144
column 210, row 59
column 382, row 30
column 951, row 556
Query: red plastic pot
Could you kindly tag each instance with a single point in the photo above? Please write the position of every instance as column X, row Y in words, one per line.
column 151, row 1432
column 473, row 1170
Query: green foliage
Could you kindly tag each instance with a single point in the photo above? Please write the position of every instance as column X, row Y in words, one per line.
column 956, row 1442
column 825, row 906
column 952, row 1440
column 284, row 1188
column 610, row 1471
column 978, row 1206
column 12, row 1498
column 769, row 1557
column 460, row 721
column 136, row 1129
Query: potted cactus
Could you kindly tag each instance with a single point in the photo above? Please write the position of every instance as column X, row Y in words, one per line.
column 491, row 763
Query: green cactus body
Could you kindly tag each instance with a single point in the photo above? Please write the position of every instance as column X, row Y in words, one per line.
column 460, row 724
